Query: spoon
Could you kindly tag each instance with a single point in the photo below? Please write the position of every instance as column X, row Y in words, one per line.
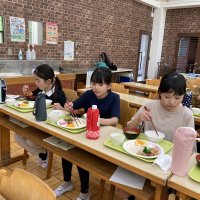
column 152, row 122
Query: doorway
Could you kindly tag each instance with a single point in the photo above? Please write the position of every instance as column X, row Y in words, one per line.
column 187, row 52
column 143, row 56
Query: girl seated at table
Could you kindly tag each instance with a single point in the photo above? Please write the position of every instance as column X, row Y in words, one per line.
column 108, row 104
column 167, row 113
column 46, row 81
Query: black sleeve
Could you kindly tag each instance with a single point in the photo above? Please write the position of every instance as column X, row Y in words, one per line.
column 61, row 98
column 36, row 91
column 81, row 102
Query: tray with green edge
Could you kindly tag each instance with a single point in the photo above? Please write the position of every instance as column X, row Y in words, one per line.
column 197, row 115
column 69, row 130
column 22, row 109
column 166, row 145
column 194, row 173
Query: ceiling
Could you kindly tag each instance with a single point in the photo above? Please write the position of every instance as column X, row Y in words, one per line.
column 171, row 4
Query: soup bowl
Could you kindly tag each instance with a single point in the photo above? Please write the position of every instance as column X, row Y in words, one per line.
column 198, row 159
column 131, row 133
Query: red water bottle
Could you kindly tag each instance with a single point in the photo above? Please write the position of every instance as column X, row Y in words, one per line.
column 93, row 123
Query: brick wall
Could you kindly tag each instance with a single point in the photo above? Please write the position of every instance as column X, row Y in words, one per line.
column 178, row 21
column 99, row 25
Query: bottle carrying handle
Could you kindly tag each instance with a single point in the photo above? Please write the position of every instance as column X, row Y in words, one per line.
column 34, row 108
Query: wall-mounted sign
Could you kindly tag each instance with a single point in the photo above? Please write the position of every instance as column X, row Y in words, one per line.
column 51, row 33
column 17, row 29
column 68, row 50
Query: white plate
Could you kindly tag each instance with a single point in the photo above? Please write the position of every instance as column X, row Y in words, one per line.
column 20, row 104
column 12, row 96
column 63, row 123
column 132, row 148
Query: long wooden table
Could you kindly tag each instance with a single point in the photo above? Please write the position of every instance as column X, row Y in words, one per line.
column 95, row 147
column 186, row 187
column 134, row 86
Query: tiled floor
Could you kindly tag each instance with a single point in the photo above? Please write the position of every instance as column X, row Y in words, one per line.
column 56, row 176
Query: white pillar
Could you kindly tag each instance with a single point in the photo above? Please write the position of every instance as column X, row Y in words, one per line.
column 157, row 41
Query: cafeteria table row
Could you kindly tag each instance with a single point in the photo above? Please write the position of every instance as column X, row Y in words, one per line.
column 96, row 147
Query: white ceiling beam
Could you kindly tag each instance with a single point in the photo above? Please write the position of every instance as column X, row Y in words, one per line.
column 152, row 3
column 171, row 4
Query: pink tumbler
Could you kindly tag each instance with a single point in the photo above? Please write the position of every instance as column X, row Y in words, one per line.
column 183, row 139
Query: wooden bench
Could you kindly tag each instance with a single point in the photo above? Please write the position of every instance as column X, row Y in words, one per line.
column 101, row 168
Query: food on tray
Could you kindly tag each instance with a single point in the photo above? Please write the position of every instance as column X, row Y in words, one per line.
column 131, row 133
column 149, row 151
column 70, row 124
column 24, row 103
column 140, row 142
column 67, row 121
column 68, row 118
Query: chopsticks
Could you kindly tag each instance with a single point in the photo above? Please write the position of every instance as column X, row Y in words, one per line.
column 152, row 122
column 74, row 116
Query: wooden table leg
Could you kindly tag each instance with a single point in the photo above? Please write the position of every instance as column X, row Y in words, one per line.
column 4, row 146
column 50, row 161
column 111, row 192
column 101, row 189
column 5, row 156
column 160, row 191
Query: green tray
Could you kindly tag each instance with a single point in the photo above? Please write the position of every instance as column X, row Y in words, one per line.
column 166, row 145
column 194, row 173
column 24, row 110
column 197, row 115
column 69, row 130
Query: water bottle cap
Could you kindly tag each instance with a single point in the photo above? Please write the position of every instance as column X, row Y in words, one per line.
column 94, row 107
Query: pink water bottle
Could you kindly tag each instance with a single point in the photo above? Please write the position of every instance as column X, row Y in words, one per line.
column 93, row 129
column 183, row 139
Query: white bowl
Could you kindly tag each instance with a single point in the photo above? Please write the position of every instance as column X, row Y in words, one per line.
column 10, row 102
column 55, row 115
column 152, row 136
column 48, row 102
column 117, row 138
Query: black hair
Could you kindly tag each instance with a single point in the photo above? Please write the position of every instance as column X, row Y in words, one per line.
column 101, row 75
column 173, row 82
column 45, row 72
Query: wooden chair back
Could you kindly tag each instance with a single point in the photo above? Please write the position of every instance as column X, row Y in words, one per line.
column 117, row 87
column 24, row 185
column 191, row 83
column 155, row 82
column 126, row 112
column 70, row 94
